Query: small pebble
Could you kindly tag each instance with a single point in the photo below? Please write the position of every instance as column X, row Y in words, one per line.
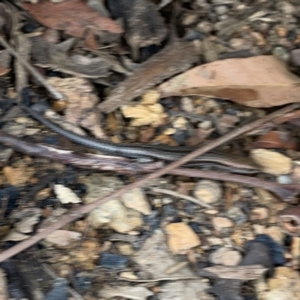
column 205, row 125
column 221, row 9
column 181, row 238
column 128, row 275
column 205, row 27
column 220, row 223
column 272, row 162
column 259, row 213
column 284, row 179
column 180, row 123
column 189, row 19
column 187, row 104
column 137, row 200
column 125, row 249
column 214, row 241
column 226, row 257
column 236, row 214
column 281, row 53
column 208, row 191
column 112, row 261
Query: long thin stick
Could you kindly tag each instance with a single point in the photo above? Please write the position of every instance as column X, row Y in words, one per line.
column 80, row 211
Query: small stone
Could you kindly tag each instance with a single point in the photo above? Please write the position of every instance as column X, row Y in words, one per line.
column 260, row 213
column 237, row 215
column 180, row 123
column 136, row 199
column 259, row 229
column 181, row 238
column 189, row 19
column 260, row 40
column 205, row 125
column 211, row 103
column 116, row 216
column 226, row 257
column 128, row 275
column 272, row 162
column 214, row 241
column 237, row 43
column 208, row 191
column 112, row 261
column 169, row 131
column 211, row 211
column 281, row 31
column 281, row 53
column 205, row 27
column 284, row 179
column 125, row 248
column 187, row 104
column 220, row 223
column 221, row 9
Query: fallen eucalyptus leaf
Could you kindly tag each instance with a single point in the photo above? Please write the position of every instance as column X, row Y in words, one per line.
column 261, row 81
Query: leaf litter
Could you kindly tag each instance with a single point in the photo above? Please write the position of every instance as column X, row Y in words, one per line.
column 160, row 74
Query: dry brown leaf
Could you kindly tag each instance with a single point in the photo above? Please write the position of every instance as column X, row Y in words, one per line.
column 261, row 81
column 275, row 140
column 72, row 16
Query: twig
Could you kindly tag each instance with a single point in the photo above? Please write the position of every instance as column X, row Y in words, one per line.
column 76, row 213
column 177, row 195
column 32, row 70
column 160, row 279
column 284, row 191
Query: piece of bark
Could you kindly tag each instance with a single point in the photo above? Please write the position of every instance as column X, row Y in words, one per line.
column 261, row 81
column 173, row 59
